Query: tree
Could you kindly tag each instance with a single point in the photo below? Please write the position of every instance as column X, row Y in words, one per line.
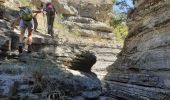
column 119, row 20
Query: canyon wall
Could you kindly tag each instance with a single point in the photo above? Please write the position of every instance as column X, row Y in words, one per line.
column 142, row 70
column 87, row 17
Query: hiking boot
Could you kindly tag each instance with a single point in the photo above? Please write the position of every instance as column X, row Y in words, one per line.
column 52, row 36
column 20, row 49
column 29, row 49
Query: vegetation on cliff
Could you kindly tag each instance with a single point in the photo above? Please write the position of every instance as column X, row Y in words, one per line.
column 118, row 21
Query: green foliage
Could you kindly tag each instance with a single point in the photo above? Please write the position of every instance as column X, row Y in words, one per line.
column 121, row 32
column 119, row 24
column 114, row 1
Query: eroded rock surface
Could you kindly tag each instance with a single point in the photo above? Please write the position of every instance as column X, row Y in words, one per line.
column 36, row 73
column 88, row 18
column 25, row 76
column 45, row 73
column 142, row 69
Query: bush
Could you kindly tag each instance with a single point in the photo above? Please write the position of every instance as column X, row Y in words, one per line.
column 121, row 32
column 118, row 22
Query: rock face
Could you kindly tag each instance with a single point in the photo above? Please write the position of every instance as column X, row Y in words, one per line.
column 96, row 9
column 83, row 61
column 89, row 17
column 35, row 74
column 141, row 71
column 106, row 56
column 5, row 41
column 46, row 73
column 26, row 76
column 86, row 17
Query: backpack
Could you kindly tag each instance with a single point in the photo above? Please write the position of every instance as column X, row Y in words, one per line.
column 25, row 13
column 50, row 8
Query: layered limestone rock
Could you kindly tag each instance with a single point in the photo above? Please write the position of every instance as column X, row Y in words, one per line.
column 90, row 17
column 96, row 9
column 141, row 71
column 44, row 74
column 106, row 56
column 86, row 17
column 41, row 75
column 38, row 77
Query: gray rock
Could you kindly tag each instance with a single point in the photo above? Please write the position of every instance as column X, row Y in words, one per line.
column 83, row 62
column 5, row 43
column 5, row 40
column 85, row 15
column 141, row 71
column 78, row 98
column 98, row 10
column 8, row 87
column 91, row 94
column 106, row 98
column 91, row 33
column 63, row 8
column 80, row 19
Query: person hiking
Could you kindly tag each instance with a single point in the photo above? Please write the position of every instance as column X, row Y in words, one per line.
column 25, row 20
column 50, row 13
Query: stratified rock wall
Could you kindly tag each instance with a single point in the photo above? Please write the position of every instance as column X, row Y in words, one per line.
column 142, row 71
column 87, row 17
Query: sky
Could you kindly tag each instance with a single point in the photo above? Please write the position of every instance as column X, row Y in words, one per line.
column 116, row 8
column 129, row 2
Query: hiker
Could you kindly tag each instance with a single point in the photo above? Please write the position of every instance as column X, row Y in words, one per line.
column 50, row 13
column 25, row 20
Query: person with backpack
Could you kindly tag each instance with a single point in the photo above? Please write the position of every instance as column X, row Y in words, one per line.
column 25, row 20
column 50, row 13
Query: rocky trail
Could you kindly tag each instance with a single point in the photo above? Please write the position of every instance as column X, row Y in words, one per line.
column 34, row 76
column 63, row 68
column 89, row 65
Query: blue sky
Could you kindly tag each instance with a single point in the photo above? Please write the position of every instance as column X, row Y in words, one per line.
column 129, row 2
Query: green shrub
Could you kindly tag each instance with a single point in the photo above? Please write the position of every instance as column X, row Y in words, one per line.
column 121, row 32
column 118, row 22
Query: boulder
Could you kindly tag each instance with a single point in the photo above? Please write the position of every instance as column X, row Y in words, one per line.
column 83, row 61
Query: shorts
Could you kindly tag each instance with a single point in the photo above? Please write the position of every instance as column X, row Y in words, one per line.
column 26, row 24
